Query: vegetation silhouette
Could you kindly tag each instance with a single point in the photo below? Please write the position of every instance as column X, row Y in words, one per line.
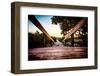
column 36, row 40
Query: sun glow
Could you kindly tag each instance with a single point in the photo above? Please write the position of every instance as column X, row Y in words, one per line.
column 54, row 31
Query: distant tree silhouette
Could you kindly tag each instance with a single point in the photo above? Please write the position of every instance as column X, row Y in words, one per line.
column 36, row 40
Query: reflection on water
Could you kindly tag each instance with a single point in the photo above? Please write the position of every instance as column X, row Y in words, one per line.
column 56, row 52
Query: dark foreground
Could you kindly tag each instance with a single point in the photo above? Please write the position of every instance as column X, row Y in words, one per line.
column 54, row 53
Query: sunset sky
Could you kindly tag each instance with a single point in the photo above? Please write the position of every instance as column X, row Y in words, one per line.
column 53, row 30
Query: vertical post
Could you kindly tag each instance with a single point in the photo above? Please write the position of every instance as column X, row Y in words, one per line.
column 72, row 40
column 43, row 40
